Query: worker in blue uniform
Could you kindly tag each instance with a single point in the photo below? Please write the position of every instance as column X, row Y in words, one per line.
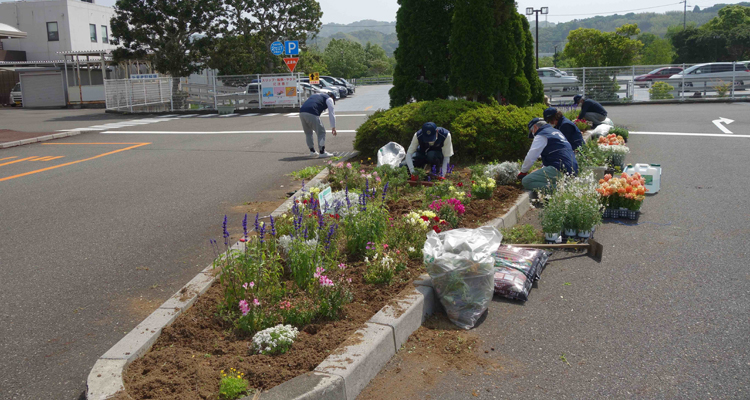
column 556, row 153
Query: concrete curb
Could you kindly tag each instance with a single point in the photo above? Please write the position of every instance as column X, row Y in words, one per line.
column 341, row 376
column 40, row 139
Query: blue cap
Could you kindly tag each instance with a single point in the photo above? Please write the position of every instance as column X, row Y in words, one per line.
column 577, row 98
column 429, row 130
column 532, row 123
column 550, row 112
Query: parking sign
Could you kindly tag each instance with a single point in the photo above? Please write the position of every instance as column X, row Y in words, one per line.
column 277, row 48
column 291, row 47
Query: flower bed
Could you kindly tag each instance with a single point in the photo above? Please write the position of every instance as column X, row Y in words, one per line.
column 324, row 269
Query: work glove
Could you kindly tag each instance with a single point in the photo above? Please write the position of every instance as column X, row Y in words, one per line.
column 521, row 175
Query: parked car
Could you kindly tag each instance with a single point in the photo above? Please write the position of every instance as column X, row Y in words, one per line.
column 348, row 85
column 554, row 81
column 340, row 82
column 323, row 86
column 657, row 74
column 332, row 81
column 712, row 74
column 555, row 69
column 16, row 97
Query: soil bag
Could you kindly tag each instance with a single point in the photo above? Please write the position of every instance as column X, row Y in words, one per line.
column 516, row 269
column 462, row 268
column 391, row 154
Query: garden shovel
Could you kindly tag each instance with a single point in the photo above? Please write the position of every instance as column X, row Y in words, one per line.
column 593, row 248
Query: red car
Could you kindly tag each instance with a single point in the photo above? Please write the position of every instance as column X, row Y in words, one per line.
column 657, row 74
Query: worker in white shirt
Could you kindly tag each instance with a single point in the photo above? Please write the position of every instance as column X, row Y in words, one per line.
column 309, row 114
column 431, row 145
column 557, row 156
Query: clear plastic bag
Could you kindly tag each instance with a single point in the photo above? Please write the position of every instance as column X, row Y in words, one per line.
column 461, row 266
column 391, row 154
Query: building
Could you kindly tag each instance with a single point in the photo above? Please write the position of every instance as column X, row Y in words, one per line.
column 56, row 26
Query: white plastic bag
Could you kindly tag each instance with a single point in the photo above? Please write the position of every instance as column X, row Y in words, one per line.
column 461, row 265
column 391, row 154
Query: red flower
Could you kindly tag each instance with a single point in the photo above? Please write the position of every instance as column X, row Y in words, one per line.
column 459, row 184
column 335, row 216
column 441, row 178
column 304, row 201
column 413, row 178
column 436, row 229
column 436, row 219
column 473, row 182
column 444, row 222
column 424, row 218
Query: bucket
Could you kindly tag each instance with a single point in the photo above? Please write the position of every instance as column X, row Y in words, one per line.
column 651, row 173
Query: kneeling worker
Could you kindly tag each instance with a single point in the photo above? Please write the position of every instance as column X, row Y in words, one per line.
column 430, row 146
column 557, row 156
column 564, row 125
column 590, row 110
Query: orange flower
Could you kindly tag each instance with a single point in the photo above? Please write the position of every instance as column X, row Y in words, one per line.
column 641, row 190
column 607, row 177
column 624, row 175
column 629, row 189
column 601, row 181
column 621, row 190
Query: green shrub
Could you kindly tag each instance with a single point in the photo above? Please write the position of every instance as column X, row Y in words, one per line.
column 620, row 131
column 522, row 234
column 478, row 131
column 661, row 90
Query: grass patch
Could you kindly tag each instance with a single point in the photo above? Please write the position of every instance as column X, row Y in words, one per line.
column 307, row 172
column 522, row 234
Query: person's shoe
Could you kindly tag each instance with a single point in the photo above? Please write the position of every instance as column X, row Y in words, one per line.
column 314, row 154
column 326, row 154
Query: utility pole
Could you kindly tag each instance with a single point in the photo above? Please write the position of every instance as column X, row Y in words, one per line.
column 684, row 15
column 554, row 59
column 543, row 11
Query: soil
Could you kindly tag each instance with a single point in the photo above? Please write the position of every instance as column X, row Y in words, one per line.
column 185, row 360
column 434, row 349
column 480, row 211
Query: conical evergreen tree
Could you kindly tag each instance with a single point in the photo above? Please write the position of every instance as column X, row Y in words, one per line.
column 472, row 48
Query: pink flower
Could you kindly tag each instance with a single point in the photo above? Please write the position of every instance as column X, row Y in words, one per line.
column 324, row 281
column 342, row 266
column 385, row 246
column 244, row 307
column 248, row 285
column 256, row 302
column 377, row 179
column 398, row 251
column 349, row 165
column 319, row 272
column 349, row 280
column 361, row 171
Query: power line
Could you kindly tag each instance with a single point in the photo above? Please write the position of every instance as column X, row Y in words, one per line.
column 614, row 12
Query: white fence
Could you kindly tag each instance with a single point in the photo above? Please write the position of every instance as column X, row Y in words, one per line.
column 231, row 93
column 636, row 84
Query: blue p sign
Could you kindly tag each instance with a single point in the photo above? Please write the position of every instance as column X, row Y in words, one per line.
column 277, row 48
column 292, row 47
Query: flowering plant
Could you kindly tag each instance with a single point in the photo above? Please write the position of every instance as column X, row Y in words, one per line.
column 611, row 139
column 449, row 210
column 582, row 124
column 276, row 340
column 504, row 173
column 233, row 384
column 576, row 201
column 483, row 187
column 626, row 191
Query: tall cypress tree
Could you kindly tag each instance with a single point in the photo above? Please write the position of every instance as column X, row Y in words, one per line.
column 423, row 28
column 472, row 45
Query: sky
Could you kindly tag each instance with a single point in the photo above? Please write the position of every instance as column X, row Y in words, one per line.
column 348, row 11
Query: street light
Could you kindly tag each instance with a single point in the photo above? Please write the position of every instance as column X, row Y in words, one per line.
column 543, row 11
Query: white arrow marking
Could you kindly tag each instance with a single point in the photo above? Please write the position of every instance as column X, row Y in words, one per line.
column 723, row 128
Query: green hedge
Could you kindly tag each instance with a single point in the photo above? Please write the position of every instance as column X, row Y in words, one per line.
column 480, row 132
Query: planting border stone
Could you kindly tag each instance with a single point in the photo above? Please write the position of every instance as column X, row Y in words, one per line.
column 41, row 139
column 341, row 376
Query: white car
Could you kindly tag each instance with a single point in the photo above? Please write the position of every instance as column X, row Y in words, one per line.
column 16, row 97
column 555, row 81
column 555, row 69
column 712, row 74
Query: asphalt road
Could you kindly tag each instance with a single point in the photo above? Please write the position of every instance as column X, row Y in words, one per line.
column 666, row 315
column 97, row 230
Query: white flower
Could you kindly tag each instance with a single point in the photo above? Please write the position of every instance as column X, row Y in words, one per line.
column 411, row 249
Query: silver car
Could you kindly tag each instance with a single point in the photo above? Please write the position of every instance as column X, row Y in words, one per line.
column 16, row 97
column 712, row 74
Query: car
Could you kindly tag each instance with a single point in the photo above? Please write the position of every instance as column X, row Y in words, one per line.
column 554, row 81
column 555, row 69
column 657, row 74
column 332, row 82
column 348, row 85
column 712, row 74
column 16, row 97
column 323, row 86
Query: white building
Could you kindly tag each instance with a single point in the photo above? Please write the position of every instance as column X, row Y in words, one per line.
column 54, row 26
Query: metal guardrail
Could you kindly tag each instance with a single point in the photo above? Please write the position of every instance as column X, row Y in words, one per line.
column 372, row 80
column 619, row 85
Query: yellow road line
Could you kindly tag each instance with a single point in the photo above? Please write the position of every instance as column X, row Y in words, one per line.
column 368, row 108
column 45, row 158
column 55, row 158
column 8, row 158
column 58, row 144
column 74, row 162
column 23, row 159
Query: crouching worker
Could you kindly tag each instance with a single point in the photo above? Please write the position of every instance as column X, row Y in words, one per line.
column 564, row 125
column 590, row 110
column 557, row 156
column 431, row 145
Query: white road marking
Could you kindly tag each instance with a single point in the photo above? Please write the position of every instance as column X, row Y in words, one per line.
column 290, row 115
column 187, row 116
column 690, row 134
column 270, row 115
column 228, row 115
column 249, row 115
column 208, row 116
column 718, row 123
column 206, row 133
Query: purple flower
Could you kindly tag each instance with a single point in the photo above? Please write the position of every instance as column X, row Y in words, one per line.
column 331, row 232
column 321, row 222
column 385, row 191
column 226, row 232
column 257, row 228
column 305, row 233
column 262, row 233
column 273, row 227
column 434, row 170
column 244, row 226
column 348, row 202
column 367, row 185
